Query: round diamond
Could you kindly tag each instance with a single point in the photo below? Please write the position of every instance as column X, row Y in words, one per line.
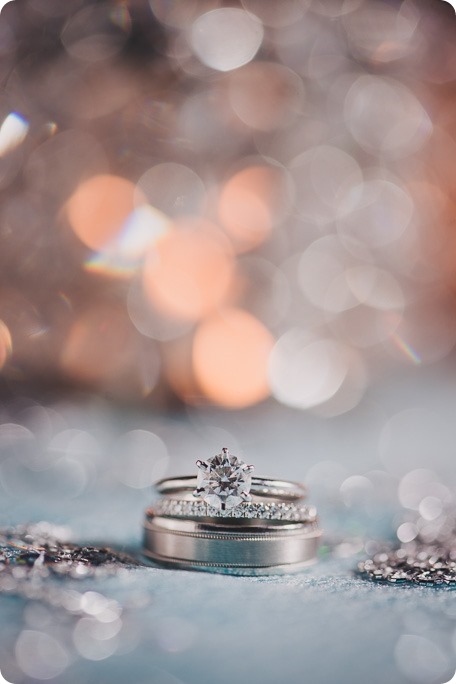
column 270, row 511
column 260, row 511
column 237, row 512
column 224, row 481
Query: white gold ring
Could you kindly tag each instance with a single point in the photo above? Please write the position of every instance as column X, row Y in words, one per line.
column 224, row 482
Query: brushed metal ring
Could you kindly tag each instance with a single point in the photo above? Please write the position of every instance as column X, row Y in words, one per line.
column 223, row 547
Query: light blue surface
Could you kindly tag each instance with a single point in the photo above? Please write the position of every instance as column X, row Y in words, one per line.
column 320, row 626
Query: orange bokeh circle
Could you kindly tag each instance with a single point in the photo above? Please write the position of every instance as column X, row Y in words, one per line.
column 6, row 344
column 250, row 204
column 189, row 272
column 230, row 358
column 99, row 207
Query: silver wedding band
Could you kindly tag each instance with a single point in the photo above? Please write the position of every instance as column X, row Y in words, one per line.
column 188, row 545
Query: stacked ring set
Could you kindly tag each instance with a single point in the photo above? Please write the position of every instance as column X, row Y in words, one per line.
column 226, row 520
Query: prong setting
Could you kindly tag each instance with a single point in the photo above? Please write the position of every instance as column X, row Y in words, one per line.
column 198, row 492
column 224, row 481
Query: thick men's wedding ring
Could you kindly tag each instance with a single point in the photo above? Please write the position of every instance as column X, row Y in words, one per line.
column 228, row 548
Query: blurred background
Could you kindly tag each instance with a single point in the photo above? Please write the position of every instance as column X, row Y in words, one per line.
column 210, row 204
column 227, row 225
column 230, row 224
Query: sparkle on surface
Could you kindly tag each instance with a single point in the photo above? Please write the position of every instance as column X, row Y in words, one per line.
column 224, row 483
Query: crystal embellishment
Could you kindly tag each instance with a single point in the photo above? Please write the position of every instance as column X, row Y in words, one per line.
column 223, row 481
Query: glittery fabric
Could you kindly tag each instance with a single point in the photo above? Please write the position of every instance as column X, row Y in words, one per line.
column 323, row 622
column 150, row 625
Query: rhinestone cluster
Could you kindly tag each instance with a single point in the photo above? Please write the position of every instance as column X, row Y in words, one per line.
column 31, row 555
column 259, row 510
column 429, row 559
column 38, row 546
column 428, row 566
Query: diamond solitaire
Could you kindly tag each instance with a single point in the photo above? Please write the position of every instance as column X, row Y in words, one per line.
column 224, row 481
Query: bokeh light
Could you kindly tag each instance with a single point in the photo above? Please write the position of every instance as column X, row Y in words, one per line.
column 109, row 29
column 40, row 656
column 226, row 38
column 266, row 96
column 97, row 352
column 98, row 209
column 230, row 356
column 277, row 16
column 189, row 271
column 293, row 160
column 328, row 180
column 6, row 344
column 124, row 254
column 304, row 372
column 12, row 132
column 140, row 459
column 385, row 118
column 174, row 189
column 421, row 659
column 252, row 201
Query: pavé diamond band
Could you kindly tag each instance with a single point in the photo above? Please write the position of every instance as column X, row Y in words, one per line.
column 253, row 510
column 225, row 520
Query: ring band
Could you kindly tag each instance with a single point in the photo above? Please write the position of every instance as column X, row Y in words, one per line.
column 261, row 486
column 253, row 510
column 228, row 527
column 181, row 544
